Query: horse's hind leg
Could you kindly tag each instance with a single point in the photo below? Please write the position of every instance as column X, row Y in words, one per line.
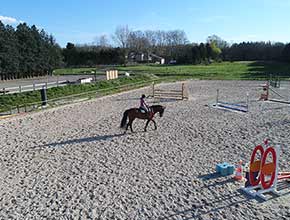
column 155, row 125
column 130, row 124
column 126, row 128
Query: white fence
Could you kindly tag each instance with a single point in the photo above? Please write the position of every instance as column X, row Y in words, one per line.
column 32, row 87
column 28, row 107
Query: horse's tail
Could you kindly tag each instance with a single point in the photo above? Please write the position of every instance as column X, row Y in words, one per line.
column 124, row 119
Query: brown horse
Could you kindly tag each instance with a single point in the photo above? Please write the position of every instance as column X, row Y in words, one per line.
column 134, row 113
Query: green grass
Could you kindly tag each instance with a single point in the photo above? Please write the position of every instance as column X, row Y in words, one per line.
column 224, row 70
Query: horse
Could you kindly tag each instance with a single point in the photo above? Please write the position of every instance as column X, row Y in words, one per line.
column 134, row 113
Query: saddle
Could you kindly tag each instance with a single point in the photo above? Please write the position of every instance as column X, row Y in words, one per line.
column 150, row 113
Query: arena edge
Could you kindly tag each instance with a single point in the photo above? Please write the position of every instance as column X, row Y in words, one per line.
column 9, row 101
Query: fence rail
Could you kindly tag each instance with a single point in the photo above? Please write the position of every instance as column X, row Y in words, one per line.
column 28, row 107
column 32, row 87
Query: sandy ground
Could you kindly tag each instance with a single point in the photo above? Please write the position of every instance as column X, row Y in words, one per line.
column 74, row 162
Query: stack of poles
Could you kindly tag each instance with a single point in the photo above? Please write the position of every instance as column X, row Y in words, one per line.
column 229, row 105
column 112, row 74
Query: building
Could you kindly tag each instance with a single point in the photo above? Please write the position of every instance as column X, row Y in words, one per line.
column 134, row 57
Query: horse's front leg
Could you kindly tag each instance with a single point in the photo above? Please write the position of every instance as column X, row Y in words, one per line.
column 126, row 128
column 155, row 125
column 145, row 129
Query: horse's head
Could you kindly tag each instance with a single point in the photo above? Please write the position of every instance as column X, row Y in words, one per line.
column 158, row 108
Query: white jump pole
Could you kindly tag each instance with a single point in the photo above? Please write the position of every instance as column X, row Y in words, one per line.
column 247, row 101
column 217, row 96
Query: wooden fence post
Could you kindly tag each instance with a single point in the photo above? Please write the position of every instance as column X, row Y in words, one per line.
column 182, row 90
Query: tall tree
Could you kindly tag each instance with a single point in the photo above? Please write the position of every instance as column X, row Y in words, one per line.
column 286, row 53
column 219, row 42
column 26, row 52
column 121, row 36
column 102, row 41
column 9, row 56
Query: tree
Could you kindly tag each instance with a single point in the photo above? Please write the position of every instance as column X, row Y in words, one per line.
column 9, row 56
column 203, row 51
column 70, row 54
column 219, row 42
column 215, row 51
column 102, row 41
column 176, row 37
column 286, row 53
column 138, row 42
column 196, row 57
column 26, row 52
column 121, row 36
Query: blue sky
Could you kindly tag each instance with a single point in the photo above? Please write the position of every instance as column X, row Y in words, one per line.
column 80, row 21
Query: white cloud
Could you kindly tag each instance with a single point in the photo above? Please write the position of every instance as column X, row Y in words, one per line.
column 9, row 20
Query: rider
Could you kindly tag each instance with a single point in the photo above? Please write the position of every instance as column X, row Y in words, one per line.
column 143, row 105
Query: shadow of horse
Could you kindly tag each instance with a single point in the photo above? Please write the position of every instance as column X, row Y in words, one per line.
column 83, row 140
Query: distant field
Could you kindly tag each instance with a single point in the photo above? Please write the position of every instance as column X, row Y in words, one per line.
column 224, row 70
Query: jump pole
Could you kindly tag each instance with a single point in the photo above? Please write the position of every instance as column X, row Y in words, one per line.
column 223, row 104
column 174, row 94
column 247, row 101
column 279, row 101
column 217, row 96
